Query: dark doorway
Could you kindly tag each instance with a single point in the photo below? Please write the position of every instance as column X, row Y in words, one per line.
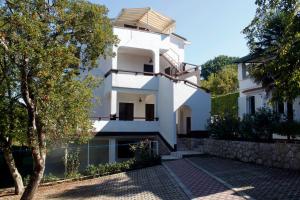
column 251, row 104
column 188, row 124
column 148, row 68
column 149, row 112
column 126, row 111
column 290, row 111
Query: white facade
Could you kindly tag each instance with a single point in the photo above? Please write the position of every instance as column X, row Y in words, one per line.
column 249, row 89
column 148, row 71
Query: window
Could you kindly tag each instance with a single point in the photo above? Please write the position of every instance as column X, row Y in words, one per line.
column 124, row 149
column 130, row 26
column 126, row 111
column 188, row 124
column 279, row 107
column 290, row 111
column 148, row 68
column 149, row 112
column 251, row 105
column 245, row 70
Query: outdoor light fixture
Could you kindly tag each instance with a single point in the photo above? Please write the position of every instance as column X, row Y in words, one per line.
column 150, row 61
column 140, row 99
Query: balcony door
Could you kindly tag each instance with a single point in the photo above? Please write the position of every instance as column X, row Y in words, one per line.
column 148, row 68
column 126, row 111
column 188, row 124
column 149, row 112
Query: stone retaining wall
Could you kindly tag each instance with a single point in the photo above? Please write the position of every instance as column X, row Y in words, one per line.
column 270, row 154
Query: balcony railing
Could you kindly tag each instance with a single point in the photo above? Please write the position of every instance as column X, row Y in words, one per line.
column 114, row 117
column 175, row 79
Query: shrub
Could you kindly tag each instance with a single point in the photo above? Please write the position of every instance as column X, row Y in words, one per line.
column 288, row 128
column 72, row 164
column 49, row 178
column 110, row 168
column 144, row 155
column 224, row 127
column 263, row 124
column 259, row 126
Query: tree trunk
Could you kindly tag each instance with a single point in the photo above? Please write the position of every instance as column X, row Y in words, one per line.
column 35, row 135
column 36, row 177
column 19, row 187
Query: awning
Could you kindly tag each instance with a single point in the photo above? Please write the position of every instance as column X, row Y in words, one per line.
column 146, row 17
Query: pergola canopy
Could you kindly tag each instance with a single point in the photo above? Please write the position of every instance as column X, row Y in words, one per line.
column 147, row 18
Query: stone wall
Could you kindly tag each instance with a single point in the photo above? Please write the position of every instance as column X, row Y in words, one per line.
column 269, row 154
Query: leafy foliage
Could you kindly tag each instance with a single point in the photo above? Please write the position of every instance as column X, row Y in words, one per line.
column 225, row 104
column 263, row 124
column 109, row 168
column 46, row 44
column 291, row 129
column 224, row 127
column 72, row 163
column 215, row 65
column 274, row 35
column 223, row 82
column 257, row 127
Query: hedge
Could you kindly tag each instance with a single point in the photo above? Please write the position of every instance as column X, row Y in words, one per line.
column 225, row 104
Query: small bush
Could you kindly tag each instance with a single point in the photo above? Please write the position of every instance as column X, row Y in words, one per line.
column 291, row 129
column 257, row 127
column 49, row 178
column 224, row 127
column 72, row 164
column 264, row 123
column 110, row 168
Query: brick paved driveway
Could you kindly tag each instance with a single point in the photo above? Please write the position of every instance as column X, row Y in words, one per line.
column 145, row 184
column 259, row 182
column 197, row 184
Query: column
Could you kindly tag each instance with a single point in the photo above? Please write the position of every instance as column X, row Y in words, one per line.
column 115, row 59
column 156, row 61
column 113, row 102
column 112, row 150
column 156, row 106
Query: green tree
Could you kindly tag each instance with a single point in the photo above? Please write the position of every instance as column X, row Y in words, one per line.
column 47, row 44
column 215, row 65
column 12, row 123
column 223, row 82
column 274, row 36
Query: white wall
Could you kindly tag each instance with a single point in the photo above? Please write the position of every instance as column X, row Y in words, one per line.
column 138, row 81
column 197, row 100
column 133, row 62
column 125, row 126
column 165, row 111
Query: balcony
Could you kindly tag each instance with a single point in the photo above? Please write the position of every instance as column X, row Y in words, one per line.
column 141, row 39
column 133, row 80
column 247, row 84
column 107, row 125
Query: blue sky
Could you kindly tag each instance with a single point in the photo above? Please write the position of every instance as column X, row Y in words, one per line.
column 213, row 26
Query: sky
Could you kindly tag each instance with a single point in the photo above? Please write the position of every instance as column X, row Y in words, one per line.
column 212, row 26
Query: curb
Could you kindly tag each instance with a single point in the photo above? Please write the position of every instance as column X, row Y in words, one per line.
column 229, row 186
column 187, row 192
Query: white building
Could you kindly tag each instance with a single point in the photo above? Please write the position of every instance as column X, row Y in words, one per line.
column 254, row 96
column 148, row 91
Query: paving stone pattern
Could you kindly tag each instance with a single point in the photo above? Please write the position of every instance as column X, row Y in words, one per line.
column 201, row 185
column 259, row 182
column 149, row 184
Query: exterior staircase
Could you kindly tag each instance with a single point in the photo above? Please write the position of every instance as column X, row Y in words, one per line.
column 185, row 148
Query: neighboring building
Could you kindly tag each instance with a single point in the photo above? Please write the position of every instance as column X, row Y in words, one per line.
column 148, row 91
column 254, row 96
